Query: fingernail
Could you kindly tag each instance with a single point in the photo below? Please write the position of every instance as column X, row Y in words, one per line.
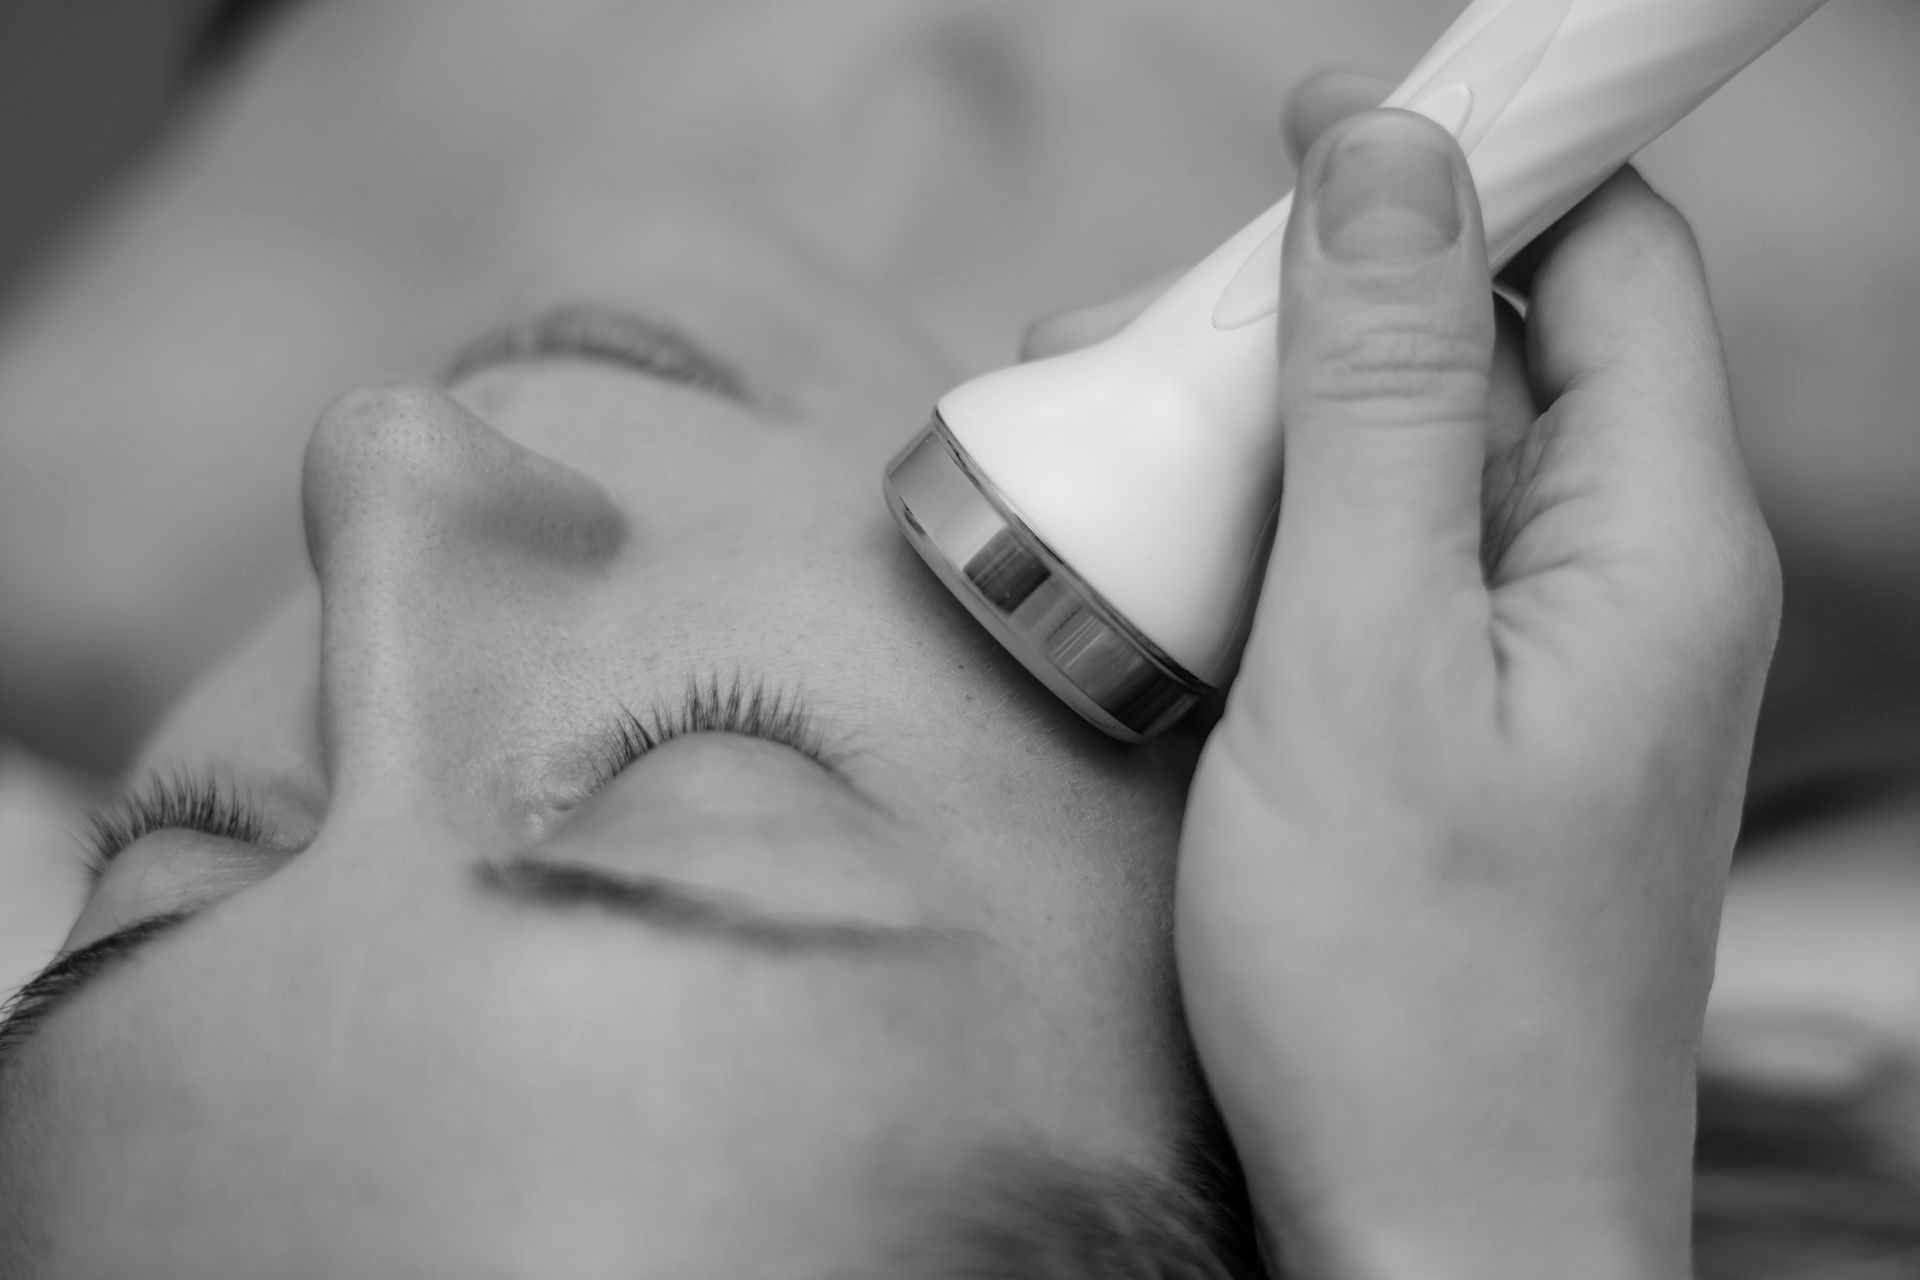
column 1386, row 193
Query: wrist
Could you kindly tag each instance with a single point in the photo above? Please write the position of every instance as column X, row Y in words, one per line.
column 1447, row 1240
column 1461, row 1187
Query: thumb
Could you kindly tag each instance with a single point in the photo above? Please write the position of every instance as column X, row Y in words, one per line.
column 1387, row 338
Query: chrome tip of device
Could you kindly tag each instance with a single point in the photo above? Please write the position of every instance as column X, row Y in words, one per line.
column 1034, row 604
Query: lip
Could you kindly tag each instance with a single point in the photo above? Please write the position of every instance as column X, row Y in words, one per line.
column 608, row 335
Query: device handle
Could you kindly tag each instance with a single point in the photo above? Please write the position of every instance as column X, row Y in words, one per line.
column 1547, row 98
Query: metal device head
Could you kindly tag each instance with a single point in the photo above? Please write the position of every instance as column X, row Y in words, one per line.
column 1031, row 600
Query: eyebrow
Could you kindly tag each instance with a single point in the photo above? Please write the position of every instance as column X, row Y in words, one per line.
column 526, row 881
column 591, row 331
column 690, row 909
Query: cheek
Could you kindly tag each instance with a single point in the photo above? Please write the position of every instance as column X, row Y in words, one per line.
column 257, row 712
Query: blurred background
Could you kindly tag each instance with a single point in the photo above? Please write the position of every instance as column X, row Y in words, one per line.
column 86, row 88
column 85, row 85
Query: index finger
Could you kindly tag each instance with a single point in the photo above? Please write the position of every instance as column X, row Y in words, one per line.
column 1321, row 101
column 1618, row 304
column 1638, row 433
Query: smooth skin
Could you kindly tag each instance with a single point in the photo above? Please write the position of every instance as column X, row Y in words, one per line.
column 1485, row 757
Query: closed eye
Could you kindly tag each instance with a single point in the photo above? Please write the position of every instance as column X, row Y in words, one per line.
column 211, row 805
column 163, row 802
column 753, row 708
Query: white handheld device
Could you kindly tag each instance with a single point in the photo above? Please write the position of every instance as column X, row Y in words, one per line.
column 1101, row 512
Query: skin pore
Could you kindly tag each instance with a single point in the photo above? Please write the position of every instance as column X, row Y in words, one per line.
column 385, row 1036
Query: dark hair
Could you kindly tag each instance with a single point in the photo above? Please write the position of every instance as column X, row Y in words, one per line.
column 1788, row 1186
column 1020, row 1212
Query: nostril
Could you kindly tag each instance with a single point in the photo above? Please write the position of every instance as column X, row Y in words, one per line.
column 408, row 466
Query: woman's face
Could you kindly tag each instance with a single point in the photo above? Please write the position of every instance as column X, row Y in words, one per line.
column 468, row 991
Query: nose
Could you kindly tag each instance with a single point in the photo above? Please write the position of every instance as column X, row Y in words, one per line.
column 446, row 554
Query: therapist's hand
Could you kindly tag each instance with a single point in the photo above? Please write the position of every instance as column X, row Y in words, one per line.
column 1453, row 860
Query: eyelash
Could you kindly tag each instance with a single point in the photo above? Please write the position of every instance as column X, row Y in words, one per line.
column 162, row 802
column 754, row 708
column 212, row 806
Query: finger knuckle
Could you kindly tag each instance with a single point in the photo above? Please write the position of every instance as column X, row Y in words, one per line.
column 1662, row 229
column 1391, row 366
column 1648, row 228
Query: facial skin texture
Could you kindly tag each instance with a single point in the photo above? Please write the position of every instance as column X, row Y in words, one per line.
column 358, row 1063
